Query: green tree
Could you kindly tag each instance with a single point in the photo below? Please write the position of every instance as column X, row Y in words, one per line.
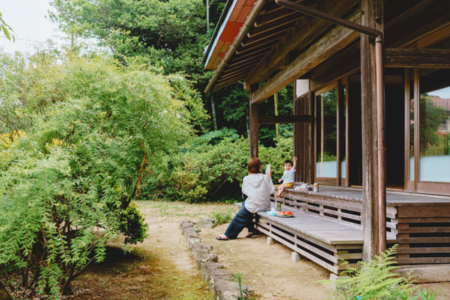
column 94, row 130
column 170, row 35
column 6, row 29
column 431, row 117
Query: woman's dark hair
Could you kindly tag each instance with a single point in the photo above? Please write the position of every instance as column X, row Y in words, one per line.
column 254, row 165
column 288, row 162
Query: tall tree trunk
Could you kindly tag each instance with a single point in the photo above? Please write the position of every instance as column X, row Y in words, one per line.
column 275, row 101
column 213, row 108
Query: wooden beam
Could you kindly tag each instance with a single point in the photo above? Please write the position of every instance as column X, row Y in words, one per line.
column 261, row 41
column 248, row 58
column 253, row 126
column 344, row 63
column 270, row 26
column 327, row 46
column 421, row 20
column 246, row 50
column 306, row 30
column 272, row 16
column 284, row 119
column 433, row 38
column 417, row 58
column 369, row 130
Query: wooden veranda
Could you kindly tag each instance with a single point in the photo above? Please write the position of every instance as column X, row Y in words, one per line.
column 373, row 143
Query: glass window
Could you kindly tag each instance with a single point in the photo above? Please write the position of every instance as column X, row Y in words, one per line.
column 326, row 165
column 434, row 113
column 411, row 130
column 343, row 110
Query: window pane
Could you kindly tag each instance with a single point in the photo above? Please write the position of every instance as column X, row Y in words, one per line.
column 411, row 132
column 326, row 134
column 434, row 125
column 343, row 165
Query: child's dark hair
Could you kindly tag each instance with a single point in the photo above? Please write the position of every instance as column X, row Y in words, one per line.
column 288, row 162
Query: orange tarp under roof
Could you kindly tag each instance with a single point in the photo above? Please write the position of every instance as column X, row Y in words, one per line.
column 231, row 21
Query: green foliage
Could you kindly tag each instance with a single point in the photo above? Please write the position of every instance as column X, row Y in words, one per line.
column 214, row 137
column 376, row 280
column 132, row 225
column 221, row 216
column 431, row 117
column 243, row 293
column 200, row 169
column 6, row 29
column 426, row 294
column 212, row 166
column 276, row 155
column 170, row 35
column 92, row 130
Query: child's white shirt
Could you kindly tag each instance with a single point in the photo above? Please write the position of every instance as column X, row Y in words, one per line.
column 288, row 176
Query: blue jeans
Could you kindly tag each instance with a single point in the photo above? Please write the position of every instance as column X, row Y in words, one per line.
column 243, row 219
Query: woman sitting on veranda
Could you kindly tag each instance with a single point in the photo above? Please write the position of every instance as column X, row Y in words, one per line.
column 258, row 188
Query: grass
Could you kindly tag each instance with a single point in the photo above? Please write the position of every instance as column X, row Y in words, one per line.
column 139, row 275
column 222, row 216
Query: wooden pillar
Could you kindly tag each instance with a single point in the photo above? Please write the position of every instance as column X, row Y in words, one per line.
column 371, row 16
column 298, row 138
column 312, row 139
column 254, row 123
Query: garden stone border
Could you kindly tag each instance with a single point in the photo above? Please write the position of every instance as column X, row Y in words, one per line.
column 216, row 276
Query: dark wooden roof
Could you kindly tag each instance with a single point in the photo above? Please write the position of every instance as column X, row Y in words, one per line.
column 271, row 25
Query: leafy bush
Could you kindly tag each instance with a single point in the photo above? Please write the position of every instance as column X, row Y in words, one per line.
column 376, row 280
column 67, row 184
column 132, row 225
column 205, row 166
column 222, row 217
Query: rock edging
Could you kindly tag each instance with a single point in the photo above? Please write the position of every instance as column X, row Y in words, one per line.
column 219, row 280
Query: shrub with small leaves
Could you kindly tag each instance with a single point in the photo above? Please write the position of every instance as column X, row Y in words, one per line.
column 67, row 185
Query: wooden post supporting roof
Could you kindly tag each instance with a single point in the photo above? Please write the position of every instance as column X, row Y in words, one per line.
column 370, row 221
column 254, row 123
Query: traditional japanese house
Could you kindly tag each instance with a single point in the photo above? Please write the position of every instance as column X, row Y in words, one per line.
column 371, row 121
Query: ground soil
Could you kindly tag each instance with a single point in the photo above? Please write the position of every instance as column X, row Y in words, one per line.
column 162, row 267
column 267, row 269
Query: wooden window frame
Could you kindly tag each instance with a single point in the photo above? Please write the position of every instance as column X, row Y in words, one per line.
column 342, row 104
column 428, row 187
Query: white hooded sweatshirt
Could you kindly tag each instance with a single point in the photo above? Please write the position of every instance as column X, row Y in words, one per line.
column 258, row 188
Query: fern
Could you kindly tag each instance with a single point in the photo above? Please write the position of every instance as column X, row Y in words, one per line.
column 375, row 280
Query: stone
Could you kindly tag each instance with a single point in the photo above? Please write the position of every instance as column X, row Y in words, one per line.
column 186, row 231
column 199, row 252
column 193, row 241
column 216, row 275
column 206, row 257
column 193, row 235
column 229, row 290
column 186, row 225
column 208, row 267
column 182, row 222
column 207, row 224
column 199, row 249
column 295, row 257
column 270, row 241
column 202, row 245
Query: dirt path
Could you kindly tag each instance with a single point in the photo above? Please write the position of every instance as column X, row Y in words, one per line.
column 162, row 267
column 268, row 269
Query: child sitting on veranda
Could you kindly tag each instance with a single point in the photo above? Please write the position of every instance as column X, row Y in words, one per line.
column 288, row 176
